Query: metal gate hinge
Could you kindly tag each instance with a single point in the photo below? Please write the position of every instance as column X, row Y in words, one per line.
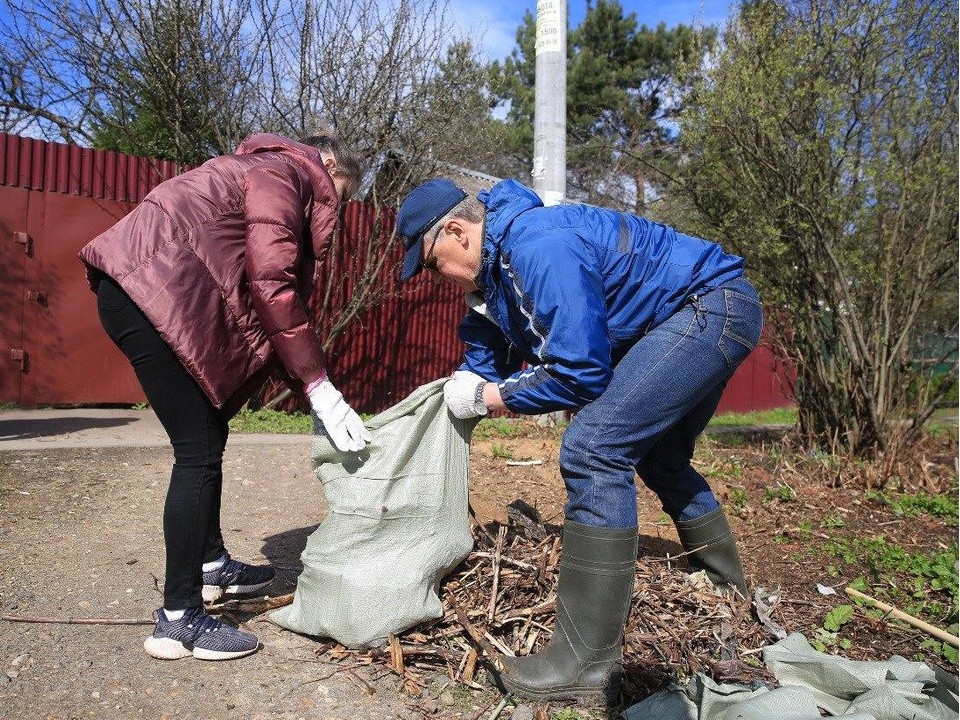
column 19, row 355
column 22, row 238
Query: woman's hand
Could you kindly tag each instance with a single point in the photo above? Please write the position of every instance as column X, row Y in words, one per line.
column 341, row 423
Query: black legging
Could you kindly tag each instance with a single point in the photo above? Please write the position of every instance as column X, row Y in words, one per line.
column 198, row 433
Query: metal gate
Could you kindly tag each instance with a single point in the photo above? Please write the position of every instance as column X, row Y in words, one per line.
column 15, row 250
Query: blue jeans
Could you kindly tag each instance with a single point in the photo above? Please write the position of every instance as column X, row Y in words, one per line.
column 663, row 392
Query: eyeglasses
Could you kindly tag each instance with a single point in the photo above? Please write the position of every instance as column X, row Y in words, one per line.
column 429, row 261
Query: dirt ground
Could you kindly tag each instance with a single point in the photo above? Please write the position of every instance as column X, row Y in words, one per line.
column 80, row 537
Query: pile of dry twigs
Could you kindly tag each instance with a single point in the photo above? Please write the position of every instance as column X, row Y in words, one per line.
column 502, row 599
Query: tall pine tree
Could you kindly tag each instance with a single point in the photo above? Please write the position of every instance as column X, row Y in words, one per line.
column 624, row 91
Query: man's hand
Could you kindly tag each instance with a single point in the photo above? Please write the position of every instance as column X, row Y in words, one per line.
column 341, row 423
column 462, row 396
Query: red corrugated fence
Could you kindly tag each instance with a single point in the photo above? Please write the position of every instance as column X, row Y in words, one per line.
column 54, row 198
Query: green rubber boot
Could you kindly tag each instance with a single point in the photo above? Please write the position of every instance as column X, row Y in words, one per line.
column 583, row 660
column 711, row 547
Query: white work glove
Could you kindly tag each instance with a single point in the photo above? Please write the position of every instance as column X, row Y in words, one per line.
column 342, row 424
column 461, row 395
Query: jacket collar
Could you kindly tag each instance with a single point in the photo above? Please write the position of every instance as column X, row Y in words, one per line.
column 504, row 202
column 326, row 202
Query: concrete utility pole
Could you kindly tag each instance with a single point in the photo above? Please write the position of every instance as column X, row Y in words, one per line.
column 550, row 108
column 550, row 117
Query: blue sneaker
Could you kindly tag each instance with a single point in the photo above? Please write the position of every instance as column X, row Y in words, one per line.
column 198, row 634
column 236, row 578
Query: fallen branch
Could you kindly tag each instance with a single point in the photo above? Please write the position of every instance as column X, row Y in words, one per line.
column 76, row 621
column 499, row 708
column 909, row 619
column 396, row 655
column 509, row 561
column 253, row 606
column 498, row 549
column 475, row 634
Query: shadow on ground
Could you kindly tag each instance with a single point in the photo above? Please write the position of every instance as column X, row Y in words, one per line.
column 46, row 427
column 283, row 552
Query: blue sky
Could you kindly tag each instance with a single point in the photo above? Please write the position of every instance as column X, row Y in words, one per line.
column 493, row 23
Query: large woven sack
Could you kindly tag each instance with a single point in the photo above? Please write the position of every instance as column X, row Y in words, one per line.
column 397, row 524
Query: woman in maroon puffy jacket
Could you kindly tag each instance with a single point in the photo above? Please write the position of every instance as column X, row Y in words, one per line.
column 203, row 286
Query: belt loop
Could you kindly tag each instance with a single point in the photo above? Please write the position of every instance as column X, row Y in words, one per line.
column 698, row 310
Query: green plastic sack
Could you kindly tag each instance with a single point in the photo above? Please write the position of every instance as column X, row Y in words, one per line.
column 398, row 523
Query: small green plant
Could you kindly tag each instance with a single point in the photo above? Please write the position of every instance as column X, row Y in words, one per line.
column 823, row 640
column 722, row 467
column 569, row 714
column 829, row 635
column 739, row 498
column 832, row 522
column 498, row 428
column 838, row 617
column 141, row 406
column 781, row 492
column 501, row 451
column 910, row 505
column 947, row 650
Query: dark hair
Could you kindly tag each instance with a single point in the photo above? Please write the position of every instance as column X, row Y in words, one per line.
column 349, row 163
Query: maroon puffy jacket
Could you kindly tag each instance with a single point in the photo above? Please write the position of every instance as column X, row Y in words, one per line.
column 221, row 260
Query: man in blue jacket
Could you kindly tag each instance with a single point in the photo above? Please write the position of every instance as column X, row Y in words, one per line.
column 634, row 326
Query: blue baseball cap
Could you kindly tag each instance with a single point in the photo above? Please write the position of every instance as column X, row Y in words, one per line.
column 420, row 210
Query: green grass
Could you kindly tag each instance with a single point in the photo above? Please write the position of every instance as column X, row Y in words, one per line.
column 271, row 421
column 917, row 583
column 943, row 422
column 923, row 584
column 777, row 416
column 572, row 714
column 498, row 428
column 910, row 505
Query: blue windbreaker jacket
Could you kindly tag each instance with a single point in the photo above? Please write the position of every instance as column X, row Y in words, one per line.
column 569, row 289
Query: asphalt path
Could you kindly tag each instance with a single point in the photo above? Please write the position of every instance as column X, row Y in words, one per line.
column 59, row 428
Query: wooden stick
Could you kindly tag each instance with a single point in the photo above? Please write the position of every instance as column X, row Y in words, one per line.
column 480, row 525
column 76, row 621
column 470, row 666
column 508, row 560
column 258, row 606
column 909, row 619
column 475, row 634
column 396, row 655
column 498, row 550
column 427, row 651
column 499, row 708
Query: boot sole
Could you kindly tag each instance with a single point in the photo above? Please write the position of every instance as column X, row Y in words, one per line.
column 586, row 695
column 212, row 593
column 170, row 649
